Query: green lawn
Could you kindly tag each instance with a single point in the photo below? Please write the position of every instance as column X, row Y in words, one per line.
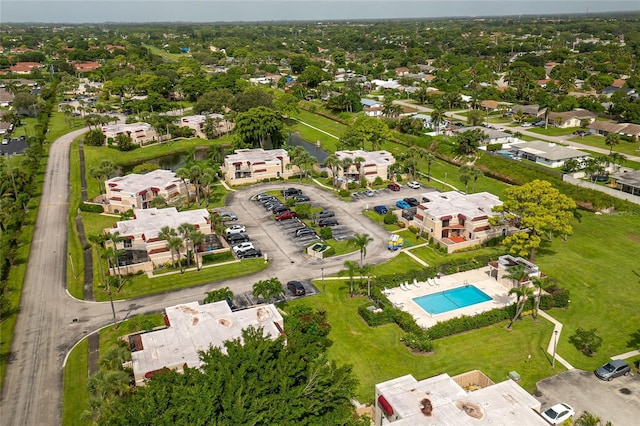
column 377, row 354
column 599, row 266
column 624, row 147
column 330, row 126
column 75, row 398
column 142, row 285
column 58, row 126
column 553, row 131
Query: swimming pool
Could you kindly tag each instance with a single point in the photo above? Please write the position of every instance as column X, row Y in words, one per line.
column 449, row 300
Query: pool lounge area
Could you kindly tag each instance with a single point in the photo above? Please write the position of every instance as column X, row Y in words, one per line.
column 464, row 293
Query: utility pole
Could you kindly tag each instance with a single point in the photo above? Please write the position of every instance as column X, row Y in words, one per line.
column 555, row 344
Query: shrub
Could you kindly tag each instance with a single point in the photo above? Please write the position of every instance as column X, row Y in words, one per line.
column 390, row 218
column 494, row 147
column 464, row 323
column 344, row 193
column 414, row 230
column 326, row 233
column 378, row 181
column 374, row 319
column 352, row 185
column 329, row 252
column 418, row 340
column 91, row 208
column 556, row 298
column 586, row 341
column 405, row 321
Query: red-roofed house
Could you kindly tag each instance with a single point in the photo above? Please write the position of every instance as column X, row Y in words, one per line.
column 25, row 67
column 85, row 66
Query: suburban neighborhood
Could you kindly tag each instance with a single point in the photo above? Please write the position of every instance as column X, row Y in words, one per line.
column 416, row 221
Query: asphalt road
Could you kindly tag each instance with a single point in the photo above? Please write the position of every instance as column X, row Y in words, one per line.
column 50, row 321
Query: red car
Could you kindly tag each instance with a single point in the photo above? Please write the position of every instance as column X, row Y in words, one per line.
column 286, row 215
column 394, row 187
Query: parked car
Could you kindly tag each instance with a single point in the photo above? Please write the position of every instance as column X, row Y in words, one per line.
column 394, row 187
column 581, row 133
column 296, row 288
column 412, row 202
column 369, row 193
column 526, row 124
column 237, row 238
column 270, row 204
column 301, row 198
column 329, row 221
column 235, row 229
column 413, row 184
column 286, row 215
column 227, row 215
column 613, row 369
column 242, row 247
column 249, row 253
column 305, row 231
column 263, row 196
column 381, row 210
column 402, row 204
column 290, row 192
column 325, row 213
column 279, row 209
column 558, row 413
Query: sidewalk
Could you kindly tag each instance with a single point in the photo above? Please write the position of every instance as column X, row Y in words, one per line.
column 552, row 347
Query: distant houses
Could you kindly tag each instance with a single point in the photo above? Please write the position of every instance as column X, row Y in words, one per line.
column 547, row 154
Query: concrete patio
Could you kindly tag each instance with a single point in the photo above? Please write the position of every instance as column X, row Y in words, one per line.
column 480, row 278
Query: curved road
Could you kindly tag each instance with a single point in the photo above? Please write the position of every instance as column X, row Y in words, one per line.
column 51, row 322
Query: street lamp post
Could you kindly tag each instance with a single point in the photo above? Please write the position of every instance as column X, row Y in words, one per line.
column 322, row 270
column 555, row 344
column 73, row 269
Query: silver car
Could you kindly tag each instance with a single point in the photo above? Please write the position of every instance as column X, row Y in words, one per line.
column 613, row 369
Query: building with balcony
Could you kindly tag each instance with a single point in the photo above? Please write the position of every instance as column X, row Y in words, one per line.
column 457, row 221
column 198, row 123
column 135, row 191
column 144, row 250
column 191, row 328
column 363, row 165
column 140, row 133
column 254, row 165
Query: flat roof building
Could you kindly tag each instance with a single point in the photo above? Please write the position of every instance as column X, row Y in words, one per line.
column 254, row 165
column 192, row 328
column 136, row 191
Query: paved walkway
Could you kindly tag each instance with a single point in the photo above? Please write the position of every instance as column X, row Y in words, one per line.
column 416, row 258
column 315, row 128
column 551, row 348
column 627, row 354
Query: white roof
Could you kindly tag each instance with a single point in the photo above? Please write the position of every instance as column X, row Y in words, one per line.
column 453, row 203
column 199, row 118
column 256, row 155
column 194, row 327
column 370, row 157
column 504, row 403
column 132, row 127
column 150, row 221
column 134, row 183
column 549, row 151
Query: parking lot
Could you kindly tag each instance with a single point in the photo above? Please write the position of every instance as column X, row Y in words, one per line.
column 617, row 401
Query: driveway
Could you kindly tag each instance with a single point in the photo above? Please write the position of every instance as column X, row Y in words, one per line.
column 617, row 401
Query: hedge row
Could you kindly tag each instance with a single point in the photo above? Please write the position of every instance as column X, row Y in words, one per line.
column 91, row 208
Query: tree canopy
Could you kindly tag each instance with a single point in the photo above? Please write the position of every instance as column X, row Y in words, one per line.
column 536, row 208
column 366, row 131
column 260, row 127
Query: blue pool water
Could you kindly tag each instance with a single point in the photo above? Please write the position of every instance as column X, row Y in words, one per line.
column 452, row 299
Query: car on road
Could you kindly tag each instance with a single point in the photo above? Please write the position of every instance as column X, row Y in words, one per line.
column 325, row 213
column 381, row 210
column 413, row 184
column 237, row 238
column 394, row 187
column 412, row 202
column 286, row 215
column 526, row 124
column 296, row 288
column 242, row 247
column 613, row 369
column 249, row 253
column 235, row 229
column 558, row 413
column 329, row 221
column 402, row 204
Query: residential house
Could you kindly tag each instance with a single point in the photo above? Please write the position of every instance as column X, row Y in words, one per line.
column 254, row 165
column 402, row 71
column 468, row 399
column 6, row 97
column 491, row 136
column 140, row 133
column 85, row 66
column 5, row 128
column 457, row 221
column 547, row 154
column 387, row 84
column 364, row 165
column 610, row 90
column 501, row 268
column 428, row 122
column 143, row 249
column 529, row 110
column 628, row 182
column 198, row 122
column 371, row 107
column 573, row 118
column 603, row 128
column 25, row 67
column 192, row 328
column 135, row 191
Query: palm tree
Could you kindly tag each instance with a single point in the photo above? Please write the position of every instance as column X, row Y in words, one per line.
column 518, row 116
column 612, row 140
column 175, row 244
column 429, row 158
column 617, row 159
column 186, row 229
column 358, row 162
column 352, row 267
column 183, row 173
column 270, row 289
column 436, row 118
column 517, row 274
column 523, row 293
column 114, row 237
column 537, row 283
column 218, row 295
column 361, row 241
column 588, row 419
column 465, row 176
column 334, row 163
column 197, row 239
column 195, row 173
column 365, row 270
column 475, row 175
column 166, row 233
column 114, row 357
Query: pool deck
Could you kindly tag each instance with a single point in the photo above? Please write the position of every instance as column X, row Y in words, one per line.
column 403, row 299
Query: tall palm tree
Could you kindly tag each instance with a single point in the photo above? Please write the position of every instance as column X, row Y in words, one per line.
column 436, row 117
column 523, row 293
column 612, row 140
column 183, row 173
column 166, row 233
column 465, row 177
column 334, row 163
column 361, row 241
column 358, row 162
column 186, row 229
column 352, row 266
column 195, row 173
column 516, row 274
column 197, row 239
column 475, row 175
column 175, row 244
column 429, row 158
column 114, row 237
column 537, row 283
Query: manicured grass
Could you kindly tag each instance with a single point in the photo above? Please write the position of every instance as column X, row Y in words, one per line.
column 624, row 147
column 75, row 260
column 598, row 264
column 341, row 247
column 58, row 126
column 26, row 127
column 400, row 264
column 142, row 285
column 172, row 57
column 410, row 238
column 75, row 399
column 553, row 131
column 377, row 354
column 109, row 336
column 330, row 126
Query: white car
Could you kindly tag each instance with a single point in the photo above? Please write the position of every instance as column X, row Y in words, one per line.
column 558, row 413
column 235, row 229
column 242, row 247
column 413, row 184
column 526, row 124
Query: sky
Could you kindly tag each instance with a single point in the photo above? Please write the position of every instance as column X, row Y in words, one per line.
column 133, row 11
